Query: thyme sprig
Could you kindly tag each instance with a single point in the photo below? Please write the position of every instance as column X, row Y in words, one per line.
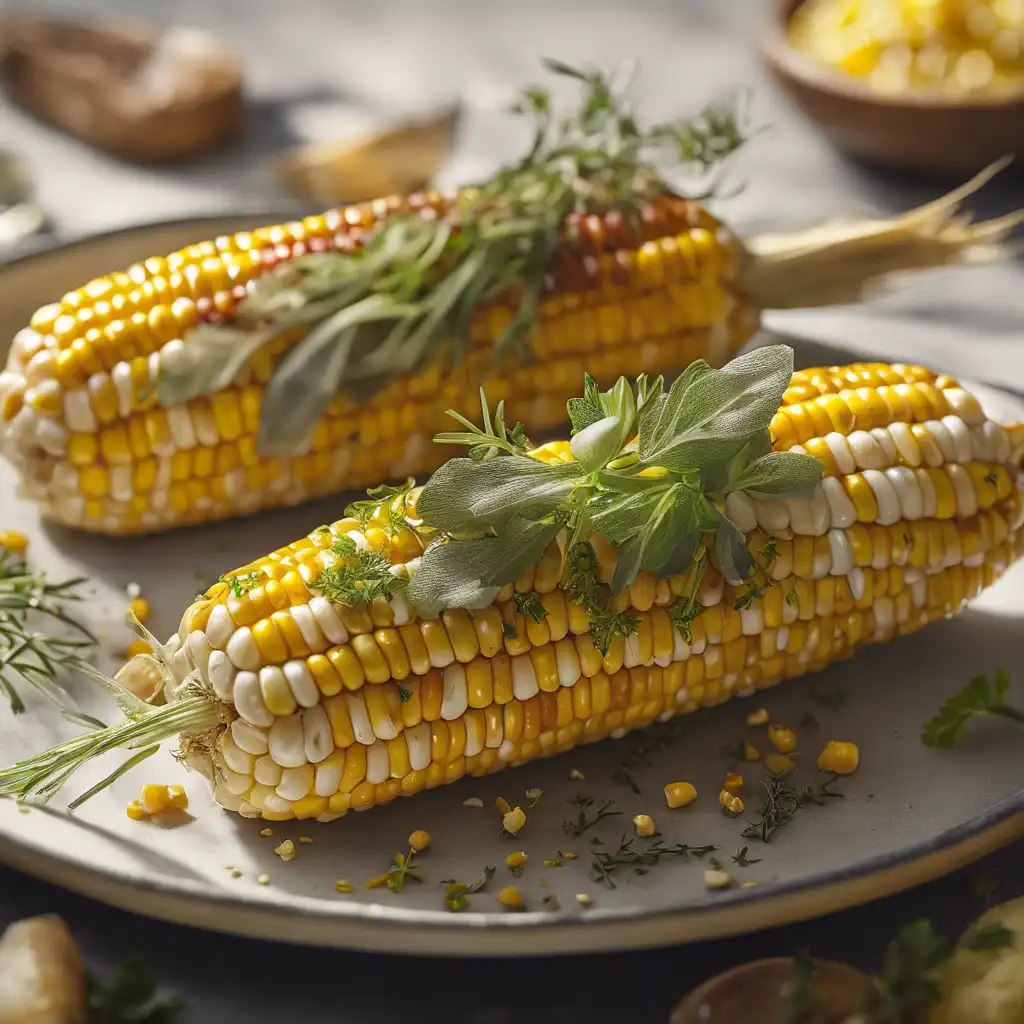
column 782, row 800
column 639, row 860
column 28, row 655
column 575, row 827
column 406, row 298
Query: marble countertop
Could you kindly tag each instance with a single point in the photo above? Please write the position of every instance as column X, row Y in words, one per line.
column 312, row 62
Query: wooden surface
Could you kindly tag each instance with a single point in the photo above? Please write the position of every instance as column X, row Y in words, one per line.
column 387, row 58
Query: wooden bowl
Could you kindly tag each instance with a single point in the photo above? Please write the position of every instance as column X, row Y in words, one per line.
column 916, row 131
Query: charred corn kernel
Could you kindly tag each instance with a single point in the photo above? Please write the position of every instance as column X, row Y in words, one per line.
column 516, row 860
column 155, row 798
column 13, row 541
column 779, row 764
column 511, row 898
column 758, row 717
column 733, row 783
column 139, row 608
column 136, row 811
column 782, row 738
column 512, row 821
column 644, row 825
column 838, row 757
column 419, row 840
column 679, row 794
column 731, row 804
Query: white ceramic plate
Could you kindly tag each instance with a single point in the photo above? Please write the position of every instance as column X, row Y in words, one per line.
column 910, row 813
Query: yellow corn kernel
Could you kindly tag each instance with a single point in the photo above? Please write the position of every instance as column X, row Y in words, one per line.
column 679, row 794
column 644, row 825
column 155, row 798
column 731, row 805
column 779, row 764
column 178, row 798
column 136, row 811
column 516, row 861
column 139, row 608
column 137, row 647
column 514, row 820
column 13, row 541
column 733, row 783
column 511, row 898
column 782, row 738
column 419, row 840
column 841, row 758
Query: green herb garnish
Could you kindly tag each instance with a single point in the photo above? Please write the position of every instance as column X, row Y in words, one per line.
column 405, row 299
column 575, row 827
column 530, row 605
column 404, row 695
column 244, row 582
column 741, row 859
column 782, row 800
column 760, row 578
column 385, row 496
column 533, row 797
column 640, row 860
column 360, row 581
column 131, row 995
column 456, row 895
column 978, row 697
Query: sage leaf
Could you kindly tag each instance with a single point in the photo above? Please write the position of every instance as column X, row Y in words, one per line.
column 735, row 561
column 597, row 444
column 617, row 517
column 780, row 474
column 628, row 564
column 467, row 494
column 673, row 524
column 582, row 414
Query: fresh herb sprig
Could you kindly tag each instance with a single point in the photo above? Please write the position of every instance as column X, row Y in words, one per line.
column 782, row 800
column 359, row 581
column 649, row 471
column 456, row 894
column 131, row 995
column 26, row 654
column 583, row 821
column 387, row 498
column 407, row 296
column 639, row 859
column 979, row 697
column 244, row 582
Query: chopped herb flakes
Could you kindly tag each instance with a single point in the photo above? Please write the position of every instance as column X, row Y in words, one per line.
column 243, row 583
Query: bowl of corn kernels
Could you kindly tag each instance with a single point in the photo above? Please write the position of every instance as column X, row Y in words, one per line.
column 932, row 86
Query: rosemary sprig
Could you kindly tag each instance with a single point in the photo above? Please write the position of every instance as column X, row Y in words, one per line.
column 782, row 800
column 605, row 863
column 575, row 827
column 29, row 656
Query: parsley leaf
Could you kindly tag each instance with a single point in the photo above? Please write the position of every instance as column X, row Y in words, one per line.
column 360, row 581
column 979, row 697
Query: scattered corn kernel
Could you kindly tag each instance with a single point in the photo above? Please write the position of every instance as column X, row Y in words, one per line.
column 503, row 805
column 139, row 608
column 511, row 898
column 136, row 811
column 266, row 831
column 419, row 840
column 513, row 820
column 178, row 798
column 679, row 794
column 569, row 855
column 286, row 851
column 748, row 883
column 343, row 885
column 715, row 879
column 751, row 753
column 758, row 717
column 516, row 860
column 263, row 880
column 733, row 783
column 379, row 882
column 473, row 801
column 137, row 647
column 306, row 840
column 782, row 739
column 644, row 825
column 732, row 805
column 838, row 757
column 15, row 542
column 584, row 899
column 577, row 776
column 779, row 764
column 554, row 862
column 155, row 798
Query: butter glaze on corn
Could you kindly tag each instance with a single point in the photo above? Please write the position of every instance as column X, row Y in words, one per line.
column 321, row 728
column 79, row 421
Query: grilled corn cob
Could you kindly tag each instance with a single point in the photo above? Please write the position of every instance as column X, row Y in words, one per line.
column 104, row 439
column 298, row 701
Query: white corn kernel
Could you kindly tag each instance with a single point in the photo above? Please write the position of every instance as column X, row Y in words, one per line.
column 751, row 620
column 378, row 763
column 866, row 451
column 400, row 609
column 248, row 738
column 418, row 741
column 361, row 727
column 884, row 440
column 295, row 782
column 78, row 414
column 964, row 405
column 885, row 495
column 906, row 445
column 929, row 496
column 242, row 649
column 740, row 509
column 267, row 771
column 840, row 452
column 680, row 648
column 328, row 621
column 942, row 438
column 961, row 435
column 286, row 742
column 966, row 498
column 248, row 700
column 328, row 778
column 857, row 582
column 235, row 783
column 568, row 662
column 772, row 516
column 303, row 617
column 277, row 805
column 317, row 738
column 235, row 758
column 301, row 682
column 524, row 677
column 199, row 650
column 179, row 424
column 904, row 482
column 221, row 674
column 841, row 551
column 219, row 627
column 455, row 693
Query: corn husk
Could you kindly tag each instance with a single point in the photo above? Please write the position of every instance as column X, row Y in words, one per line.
column 400, row 159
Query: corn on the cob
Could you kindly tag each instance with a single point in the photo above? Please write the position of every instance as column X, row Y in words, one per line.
column 648, row 284
column 298, row 706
